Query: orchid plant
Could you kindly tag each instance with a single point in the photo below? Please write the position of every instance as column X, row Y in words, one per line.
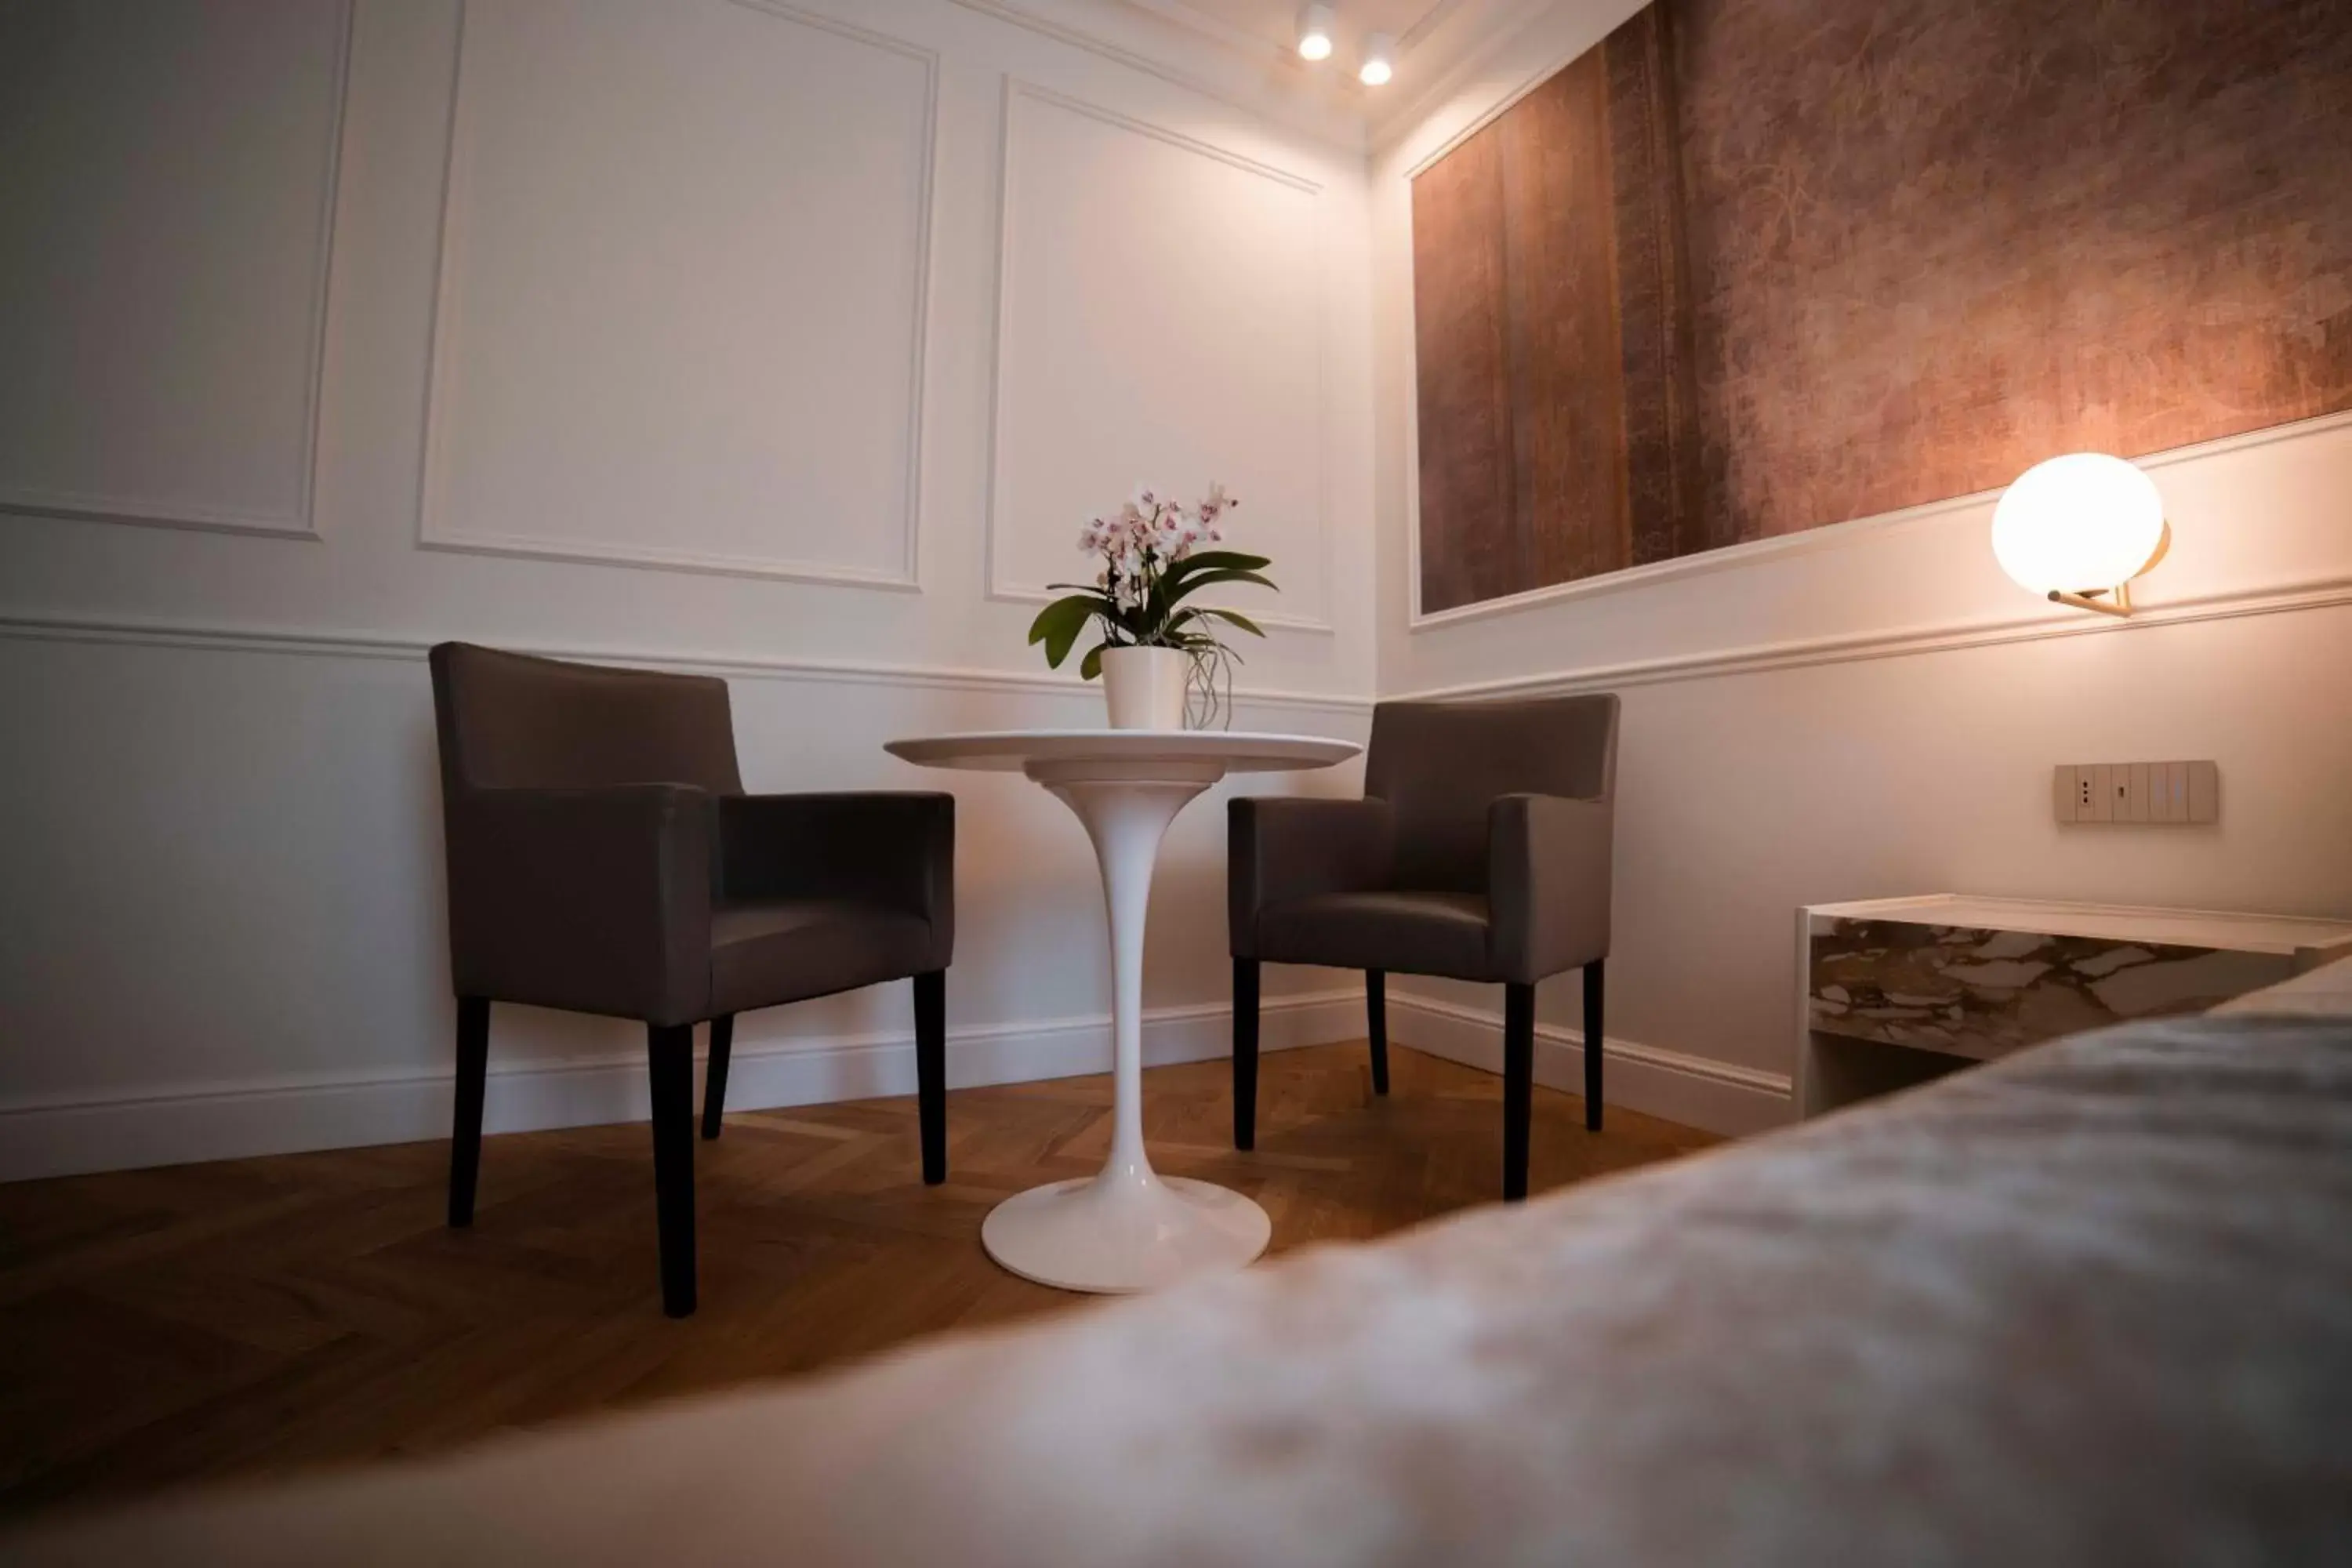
column 1152, row 560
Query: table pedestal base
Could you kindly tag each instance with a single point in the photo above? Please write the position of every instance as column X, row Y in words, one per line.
column 1112, row 1234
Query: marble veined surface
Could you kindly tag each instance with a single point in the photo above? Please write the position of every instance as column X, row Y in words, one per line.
column 1973, row 991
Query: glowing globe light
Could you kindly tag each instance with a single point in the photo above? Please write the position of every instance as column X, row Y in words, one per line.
column 2083, row 523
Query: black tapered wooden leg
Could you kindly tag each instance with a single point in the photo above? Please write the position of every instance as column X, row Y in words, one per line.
column 1376, row 1014
column 1518, row 1086
column 669, row 1060
column 466, row 1125
column 931, row 1072
column 1245, row 1053
column 1594, row 1040
column 714, row 1075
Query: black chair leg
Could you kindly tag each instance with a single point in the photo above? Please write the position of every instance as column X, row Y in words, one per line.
column 669, row 1059
column 466, row 1125
column 931, row 1072
column 1594, row 1041
column 1518, row 1086
column 714, row 1075
column 1245, row 1053
column 1376, row 1014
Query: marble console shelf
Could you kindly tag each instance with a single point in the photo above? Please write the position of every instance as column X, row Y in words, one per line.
column 1894, row 991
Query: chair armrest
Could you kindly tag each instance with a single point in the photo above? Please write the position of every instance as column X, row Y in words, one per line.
column 593, row 900
column 892, row 849
column 1548, row 883
column 1280, row 847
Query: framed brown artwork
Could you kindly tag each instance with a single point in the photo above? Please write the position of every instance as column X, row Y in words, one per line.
column 1753, row 267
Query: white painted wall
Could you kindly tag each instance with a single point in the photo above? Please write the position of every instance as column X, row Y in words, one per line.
column 223, row 550
column 668, row 334
column 1873, row 709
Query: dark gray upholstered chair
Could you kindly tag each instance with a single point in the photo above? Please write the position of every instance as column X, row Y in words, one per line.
column 1480, row 851
column 604, row 859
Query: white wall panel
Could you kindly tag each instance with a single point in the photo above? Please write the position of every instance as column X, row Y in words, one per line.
column 668, row 263
column 167, row 203
column 682, row 292
column 1160, row 320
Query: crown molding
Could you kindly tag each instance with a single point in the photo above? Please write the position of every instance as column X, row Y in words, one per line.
column 1452, row 44
column 1168, row 40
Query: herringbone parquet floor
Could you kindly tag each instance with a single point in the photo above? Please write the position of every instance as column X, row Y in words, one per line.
column 159, row 1327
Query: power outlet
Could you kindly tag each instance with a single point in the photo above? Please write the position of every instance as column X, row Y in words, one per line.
column 2156, row 794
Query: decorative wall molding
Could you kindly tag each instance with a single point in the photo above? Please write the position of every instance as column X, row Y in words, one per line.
column 433, row 534
column 1014, row 90
column 1897, row 643
column 1852, row 534
column 1697, row 1091
column 216, row 639
column 55, row 1136
column 151, row 511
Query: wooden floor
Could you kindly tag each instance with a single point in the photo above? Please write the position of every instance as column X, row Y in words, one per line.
column 158, row 1327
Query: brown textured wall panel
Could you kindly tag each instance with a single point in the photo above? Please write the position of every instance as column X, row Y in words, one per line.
column 1567, row 425
column 1522, row 415
column 1907, row 249
column 1464, row 383
column 1938, row 241
column 1658, row 336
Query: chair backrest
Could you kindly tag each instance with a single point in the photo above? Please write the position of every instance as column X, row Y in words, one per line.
column 1438, row 764
column 510, row 720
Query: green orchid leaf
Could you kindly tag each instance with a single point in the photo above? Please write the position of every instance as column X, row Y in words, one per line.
column 1091, row 666
column 1218, row 561
column 1057, row 625
column 1223, row 574
column 1235, row 616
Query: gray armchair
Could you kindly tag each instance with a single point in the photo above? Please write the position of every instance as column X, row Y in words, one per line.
column 1480, row 851
column 602, row 858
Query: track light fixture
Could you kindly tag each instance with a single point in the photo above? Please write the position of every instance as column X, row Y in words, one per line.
column 1315, row 32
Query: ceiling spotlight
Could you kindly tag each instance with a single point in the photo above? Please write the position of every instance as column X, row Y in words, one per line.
column 1315, row 32
column 1380, row 61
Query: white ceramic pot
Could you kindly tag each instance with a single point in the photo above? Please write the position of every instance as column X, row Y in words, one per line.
column 1145, row 687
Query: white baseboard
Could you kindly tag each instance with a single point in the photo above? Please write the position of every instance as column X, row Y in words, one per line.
column 58, row 1138
column 1719, row 1097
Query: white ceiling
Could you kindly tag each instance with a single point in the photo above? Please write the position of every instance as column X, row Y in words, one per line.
column 1275, row 22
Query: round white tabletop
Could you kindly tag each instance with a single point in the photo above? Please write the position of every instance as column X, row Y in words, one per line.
column 1127, row 1228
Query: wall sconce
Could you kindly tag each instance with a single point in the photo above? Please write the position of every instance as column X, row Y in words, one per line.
column 2078, row 529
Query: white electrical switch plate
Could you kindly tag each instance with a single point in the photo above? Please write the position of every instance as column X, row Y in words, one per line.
column 2174, row 805
column 2135, row 793
column 2155, row 792
column 2204, row 792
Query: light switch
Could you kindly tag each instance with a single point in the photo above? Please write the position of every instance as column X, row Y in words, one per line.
column 2204, row 792
column 2153, row 792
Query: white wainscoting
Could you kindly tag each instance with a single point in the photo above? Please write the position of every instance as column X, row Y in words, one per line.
column 1161, row 318
column 171, row 174
column 63, row 1136
column 221, row 875
column 685, row 277
column 1697, row 1091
